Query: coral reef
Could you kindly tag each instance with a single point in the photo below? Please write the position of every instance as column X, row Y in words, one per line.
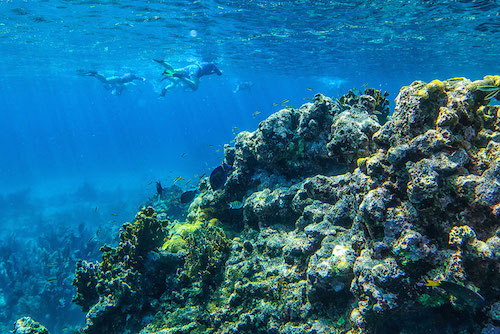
column 129, row 279
column 166, row 201
column 142, row 275
column 343, row 220
column 26, row 325
column 36, row 274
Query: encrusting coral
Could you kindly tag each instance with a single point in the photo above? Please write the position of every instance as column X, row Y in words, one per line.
column 343, row 219
column 26, row 325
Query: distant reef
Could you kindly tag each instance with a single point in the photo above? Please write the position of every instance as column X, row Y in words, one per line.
column 352, row 221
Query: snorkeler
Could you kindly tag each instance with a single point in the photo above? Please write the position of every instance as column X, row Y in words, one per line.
column 114, row 83
column 189, row 75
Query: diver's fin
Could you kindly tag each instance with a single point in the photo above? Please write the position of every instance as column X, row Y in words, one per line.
column 168, row 73
column 164, row 64
column 86, row 73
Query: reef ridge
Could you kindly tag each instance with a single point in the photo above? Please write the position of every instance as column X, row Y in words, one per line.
column 347, row 213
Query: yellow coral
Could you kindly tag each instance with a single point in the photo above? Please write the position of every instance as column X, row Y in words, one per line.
column 434, row 86
column 196, row 213
column 175, row 244
column 494, row 79
column 361, row 162
column 179, row 233
column 460, row 234
column 214, row 222
column 343, row 266
column 423, row 93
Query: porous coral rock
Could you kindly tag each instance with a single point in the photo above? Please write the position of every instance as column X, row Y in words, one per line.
column 334, row 199
column 412, row 246
column 329, row 266
column 26, row 325
column 376, row 281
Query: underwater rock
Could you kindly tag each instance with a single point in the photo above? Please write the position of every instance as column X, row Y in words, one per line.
column 342, row 221
column 122, row 288
column 291, row 142
column 351, row 134
column 328, row 268
column 26, row 325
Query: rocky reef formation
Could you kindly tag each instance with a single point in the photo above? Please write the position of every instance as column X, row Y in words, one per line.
column 26, row 325
column 349, row 224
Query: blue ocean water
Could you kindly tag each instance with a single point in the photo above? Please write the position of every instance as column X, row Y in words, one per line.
column 77, row 160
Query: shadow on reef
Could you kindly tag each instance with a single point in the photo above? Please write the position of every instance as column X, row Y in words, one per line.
column 346, row 225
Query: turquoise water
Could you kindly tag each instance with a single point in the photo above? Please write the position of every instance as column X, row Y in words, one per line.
column 73, row 154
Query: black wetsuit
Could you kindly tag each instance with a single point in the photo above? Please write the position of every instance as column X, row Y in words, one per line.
column 197, row 70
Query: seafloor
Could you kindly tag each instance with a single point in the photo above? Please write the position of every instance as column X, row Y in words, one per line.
column 351, row 222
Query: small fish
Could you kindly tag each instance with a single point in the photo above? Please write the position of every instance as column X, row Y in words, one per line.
column 235, row 205
column 52, row 279
column 488, row 88
column 113, row 221
column 275, row 104
column 308, row 99
column 492, row 94
column 95, row 210
column 159, row 188
column 114, row 214
column 235, row 128
column 460, row 292
column 309, row 88
column 211, row 145
column 150, row 183
column 432, row 283
column 255, row 114
column 284, row 101
column 51, row 264
column 202, row 176
column 183, row 155
column 178, row 178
